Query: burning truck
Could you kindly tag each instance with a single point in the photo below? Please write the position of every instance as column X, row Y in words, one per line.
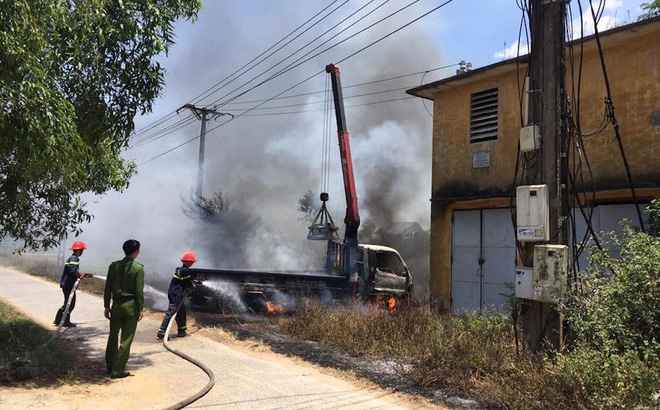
column 380, row 275
column 352, row 270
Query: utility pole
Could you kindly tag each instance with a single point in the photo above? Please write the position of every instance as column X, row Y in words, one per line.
column 203, row 114
column 547, row 97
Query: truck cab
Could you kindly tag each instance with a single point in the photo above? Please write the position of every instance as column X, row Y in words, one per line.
column 382, row 271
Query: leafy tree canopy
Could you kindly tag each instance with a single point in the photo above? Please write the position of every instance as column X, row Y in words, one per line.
column 651, row 9
column 73, row 76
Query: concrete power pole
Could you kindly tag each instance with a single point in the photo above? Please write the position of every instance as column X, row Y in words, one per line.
column 547, row 97
column 203, row 114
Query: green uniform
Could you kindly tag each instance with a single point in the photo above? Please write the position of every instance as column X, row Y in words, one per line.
column 125, row 286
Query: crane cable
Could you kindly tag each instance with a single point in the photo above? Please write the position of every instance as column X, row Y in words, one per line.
column 325, row 160
column 189, row 400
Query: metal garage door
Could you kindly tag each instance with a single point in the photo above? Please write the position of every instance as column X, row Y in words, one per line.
column 606, row 218
column 483, row 259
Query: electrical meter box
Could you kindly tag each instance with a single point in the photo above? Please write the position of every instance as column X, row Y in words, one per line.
column 524, row 282
column 530, row 138
column 532, row 213
column 550, row 272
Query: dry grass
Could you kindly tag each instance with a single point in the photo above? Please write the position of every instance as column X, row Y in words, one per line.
column 19, row 339
column 473, row 356
column 46, row 268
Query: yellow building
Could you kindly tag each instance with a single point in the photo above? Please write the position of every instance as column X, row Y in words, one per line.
column 476, row 125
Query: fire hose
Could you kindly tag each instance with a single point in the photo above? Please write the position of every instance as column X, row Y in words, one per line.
column 66, row 312
column 183, row 403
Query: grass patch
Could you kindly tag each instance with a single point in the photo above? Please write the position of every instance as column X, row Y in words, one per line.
column 41, row 266
column 19, row 339
column 473, row 356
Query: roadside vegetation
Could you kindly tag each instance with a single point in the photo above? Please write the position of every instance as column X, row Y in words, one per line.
column 37, row 265
column 612, row 360
column 20, row 361
column 472, row 356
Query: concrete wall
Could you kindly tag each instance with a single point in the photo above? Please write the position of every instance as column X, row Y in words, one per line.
column 633, row 64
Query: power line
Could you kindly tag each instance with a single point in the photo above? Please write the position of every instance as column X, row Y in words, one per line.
column 312, row 76
column 349, row 86
column 166, row 131
column 320, row 109
column 173, row 113
column 298, row 62
column 271, row 114
column 211, row 90
column 170, row 130
column 290, row 55
column 275, row 107
column 612, row 118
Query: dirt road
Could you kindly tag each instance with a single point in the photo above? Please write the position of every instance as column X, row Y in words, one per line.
column 247, row 377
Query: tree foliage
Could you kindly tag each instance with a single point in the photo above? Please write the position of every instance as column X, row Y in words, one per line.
column 74, row 74
column 308, row 206
column 221, row 232
column 651, row 9
column 203, row 208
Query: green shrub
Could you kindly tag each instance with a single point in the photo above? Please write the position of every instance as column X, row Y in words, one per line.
column 614, row 315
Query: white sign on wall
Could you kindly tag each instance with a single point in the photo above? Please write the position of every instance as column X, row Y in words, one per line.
column 481, row 159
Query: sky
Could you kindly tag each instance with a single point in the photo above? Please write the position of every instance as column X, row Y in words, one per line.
column 264, row 163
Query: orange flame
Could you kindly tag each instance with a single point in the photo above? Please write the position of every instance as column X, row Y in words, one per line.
column 274, row 309
column 391, row 303
column 383, row 302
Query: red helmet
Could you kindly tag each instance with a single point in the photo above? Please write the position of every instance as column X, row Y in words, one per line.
column 189, row 257
column 78, row 245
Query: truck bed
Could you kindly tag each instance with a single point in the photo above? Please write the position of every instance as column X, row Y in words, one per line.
column 298, row 280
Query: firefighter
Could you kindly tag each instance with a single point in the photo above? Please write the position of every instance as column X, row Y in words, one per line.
column 70, row 274
column 124, row 285
column 181, row 282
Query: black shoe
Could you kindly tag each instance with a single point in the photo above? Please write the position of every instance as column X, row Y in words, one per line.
column 160, row 335
column 69, row 324
column 182, row 334
column 58, row 317
column 120, row 375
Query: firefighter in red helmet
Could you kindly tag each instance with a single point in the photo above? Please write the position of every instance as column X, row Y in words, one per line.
column 70, row 274
column 181, row 282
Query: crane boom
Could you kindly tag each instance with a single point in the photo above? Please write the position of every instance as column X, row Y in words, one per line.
column 352, row 219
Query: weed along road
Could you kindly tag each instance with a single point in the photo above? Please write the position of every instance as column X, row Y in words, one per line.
column 247, row 376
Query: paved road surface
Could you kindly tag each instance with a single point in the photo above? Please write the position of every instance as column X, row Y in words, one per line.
column 246, row 379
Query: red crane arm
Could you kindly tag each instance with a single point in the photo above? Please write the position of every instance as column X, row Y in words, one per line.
column 352, row 219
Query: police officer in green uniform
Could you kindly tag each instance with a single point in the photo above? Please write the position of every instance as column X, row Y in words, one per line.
column 125, row 286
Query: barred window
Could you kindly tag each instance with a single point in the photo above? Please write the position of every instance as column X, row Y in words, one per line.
column 484, row 115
